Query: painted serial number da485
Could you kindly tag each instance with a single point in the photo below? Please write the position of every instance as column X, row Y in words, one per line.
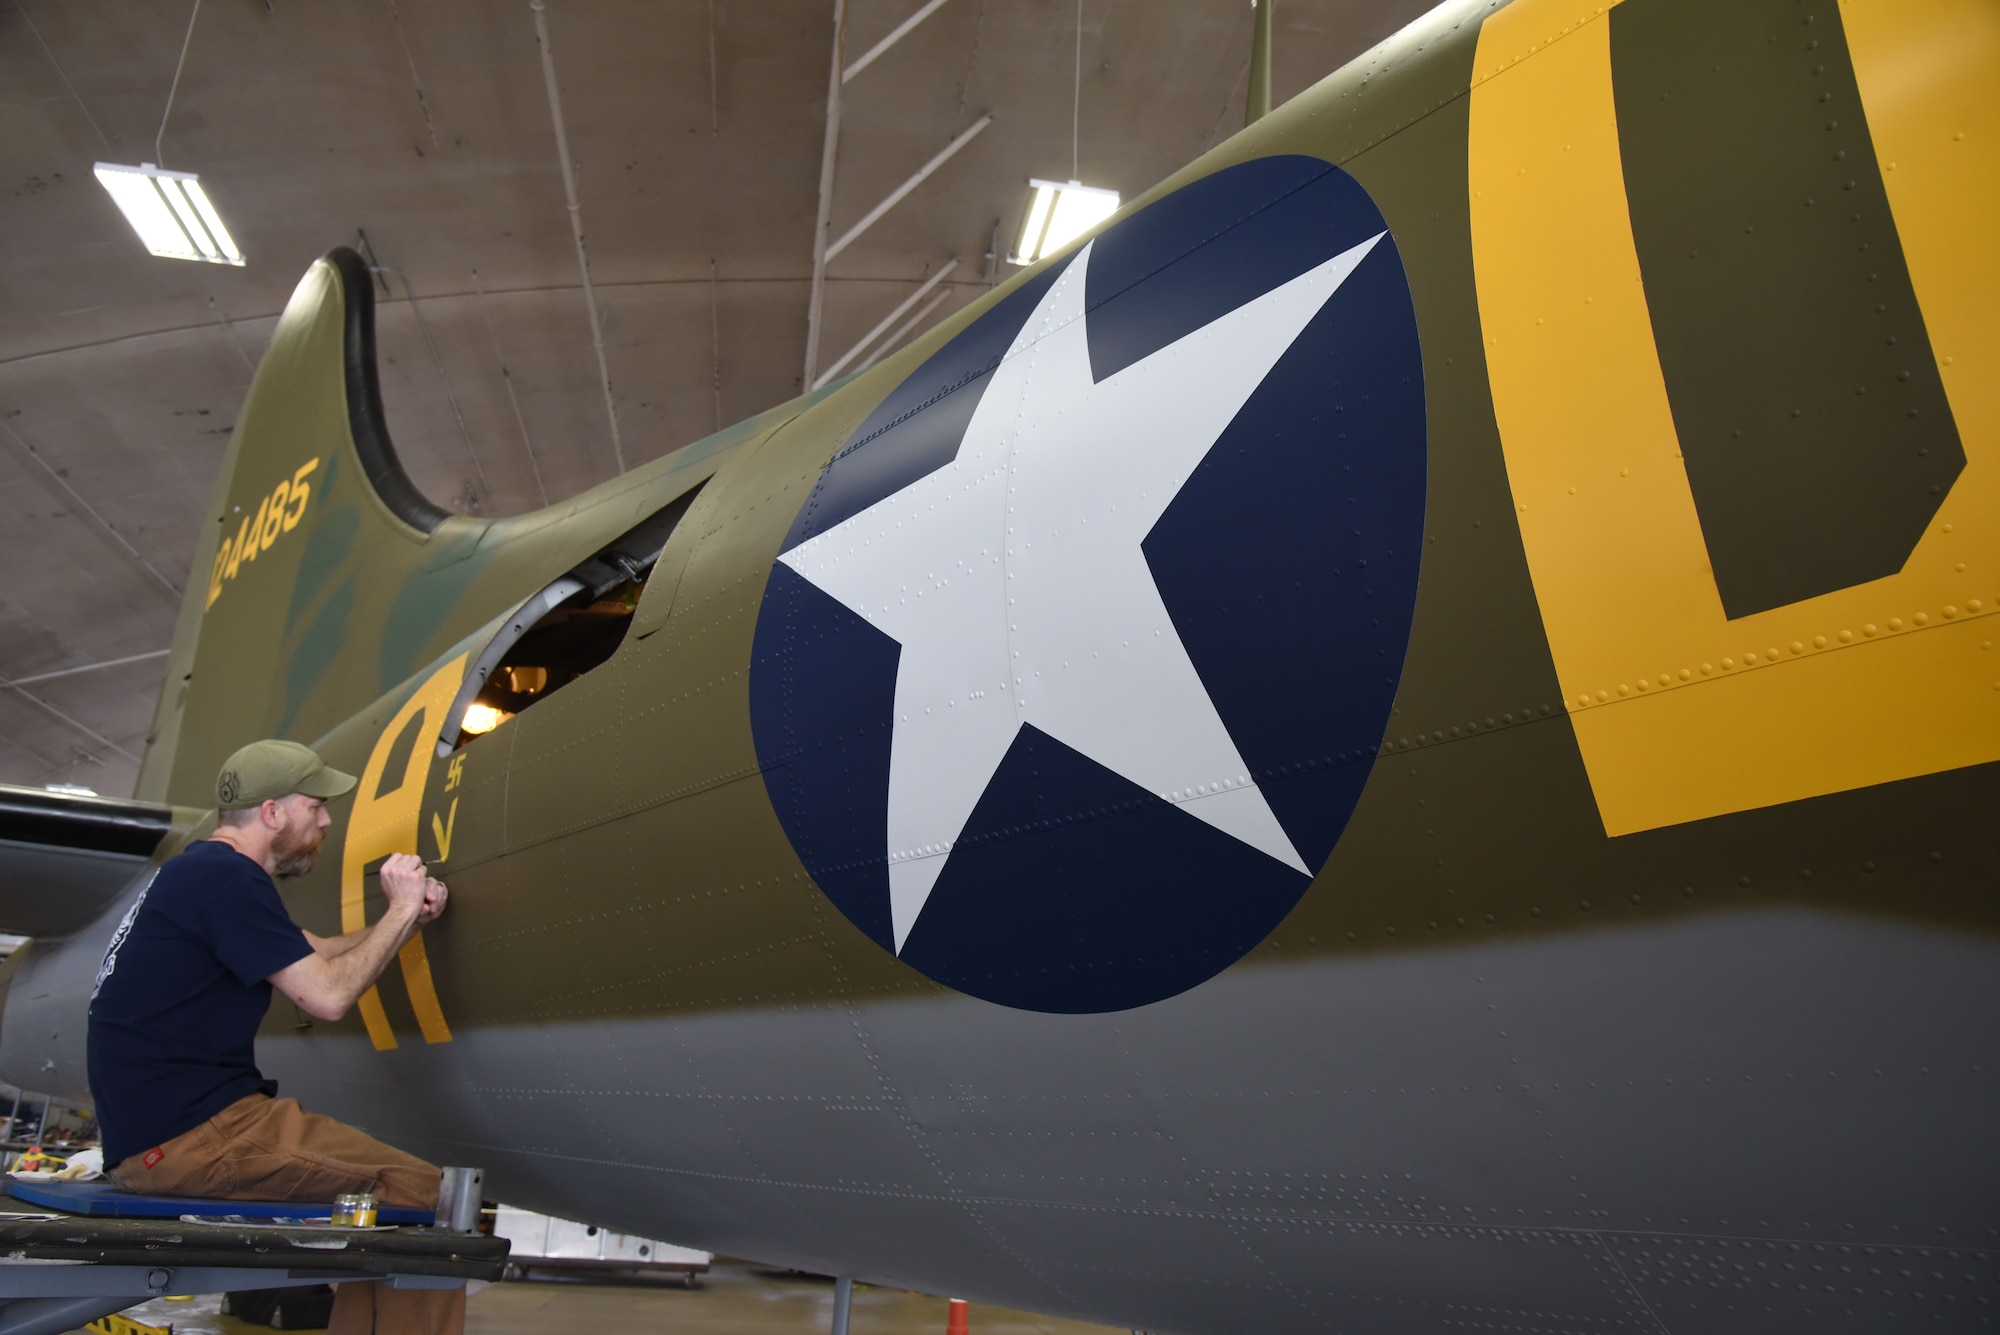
column 277, row 513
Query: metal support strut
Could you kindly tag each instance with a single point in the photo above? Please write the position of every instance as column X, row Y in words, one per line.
column 843, row 1304
column 829, row 151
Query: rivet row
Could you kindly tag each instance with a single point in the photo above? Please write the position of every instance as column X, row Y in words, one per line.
column 1757, row 658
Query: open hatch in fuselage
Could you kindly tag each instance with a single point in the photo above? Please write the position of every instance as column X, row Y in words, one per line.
column 559, row 634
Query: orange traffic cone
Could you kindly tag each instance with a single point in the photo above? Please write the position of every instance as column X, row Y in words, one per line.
column 959, row 1322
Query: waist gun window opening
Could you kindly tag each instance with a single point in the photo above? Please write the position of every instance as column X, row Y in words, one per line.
column 560, row 633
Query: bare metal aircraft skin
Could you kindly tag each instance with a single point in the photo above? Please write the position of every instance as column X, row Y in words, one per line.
column 1402, row 738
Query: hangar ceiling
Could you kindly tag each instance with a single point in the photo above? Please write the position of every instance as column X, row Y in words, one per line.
column 696, row 128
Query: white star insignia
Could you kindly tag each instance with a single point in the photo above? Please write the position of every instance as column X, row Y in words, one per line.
column 1014, row 580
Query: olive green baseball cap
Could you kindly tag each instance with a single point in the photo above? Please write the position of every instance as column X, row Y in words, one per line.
column 267, row 770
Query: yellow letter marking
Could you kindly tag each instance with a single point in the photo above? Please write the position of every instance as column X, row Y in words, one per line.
column 1677, row 713
column 388, row 824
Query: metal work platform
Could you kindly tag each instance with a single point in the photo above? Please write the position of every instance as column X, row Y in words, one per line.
column 58, row 1272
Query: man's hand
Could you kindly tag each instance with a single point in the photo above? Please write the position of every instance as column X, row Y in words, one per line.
column 325, row 983
column 405, row 881
column 435, row 895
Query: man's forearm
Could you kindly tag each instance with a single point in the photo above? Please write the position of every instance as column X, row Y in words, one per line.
column 340, row 969
column 332, row 947
column 366, row 953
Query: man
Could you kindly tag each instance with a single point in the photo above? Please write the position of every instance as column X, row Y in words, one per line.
column 184, row 986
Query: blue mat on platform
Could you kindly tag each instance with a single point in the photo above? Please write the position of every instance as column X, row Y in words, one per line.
column 104, row 1200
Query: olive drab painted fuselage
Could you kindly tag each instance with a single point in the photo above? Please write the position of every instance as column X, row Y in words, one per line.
column 1459, row 793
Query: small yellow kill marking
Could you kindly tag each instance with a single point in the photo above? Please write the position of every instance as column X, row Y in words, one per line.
column 441, row 828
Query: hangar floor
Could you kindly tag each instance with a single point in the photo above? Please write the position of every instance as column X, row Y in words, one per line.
column 735, row 1298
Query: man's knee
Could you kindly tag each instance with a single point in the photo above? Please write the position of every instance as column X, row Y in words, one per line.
column 400, row 1178
column 413, row 1187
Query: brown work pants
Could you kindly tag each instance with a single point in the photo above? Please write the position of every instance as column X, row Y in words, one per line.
column 265, row 1149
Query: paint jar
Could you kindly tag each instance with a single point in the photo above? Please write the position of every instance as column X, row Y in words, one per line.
column 354, row 1210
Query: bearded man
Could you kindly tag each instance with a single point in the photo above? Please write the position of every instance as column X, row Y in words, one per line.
column 181, row 993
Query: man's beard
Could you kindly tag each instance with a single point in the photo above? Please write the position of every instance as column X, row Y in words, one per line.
column 297, row 857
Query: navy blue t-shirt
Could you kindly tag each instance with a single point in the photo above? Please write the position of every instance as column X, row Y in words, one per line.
column 179, row 997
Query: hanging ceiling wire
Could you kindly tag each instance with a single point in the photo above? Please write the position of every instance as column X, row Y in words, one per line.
column 159, row 159
column 507, row 379
column 61, row 74
column 576, row 227
column 1077, row 92
column 382, row 271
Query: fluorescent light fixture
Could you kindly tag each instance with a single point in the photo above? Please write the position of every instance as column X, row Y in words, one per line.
column 1058, row 213
column 170, row 212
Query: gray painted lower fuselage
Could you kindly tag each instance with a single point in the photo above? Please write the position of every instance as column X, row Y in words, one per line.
column 1752, row 1121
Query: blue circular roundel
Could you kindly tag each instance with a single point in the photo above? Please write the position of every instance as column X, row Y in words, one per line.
column 1070, row 671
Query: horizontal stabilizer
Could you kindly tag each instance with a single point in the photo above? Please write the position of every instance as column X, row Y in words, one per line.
column 65, row 859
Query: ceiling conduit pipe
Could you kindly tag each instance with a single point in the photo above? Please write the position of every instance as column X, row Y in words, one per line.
column 874, row 52
column 922, row 174
column 904, row 332
column 869, row 338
